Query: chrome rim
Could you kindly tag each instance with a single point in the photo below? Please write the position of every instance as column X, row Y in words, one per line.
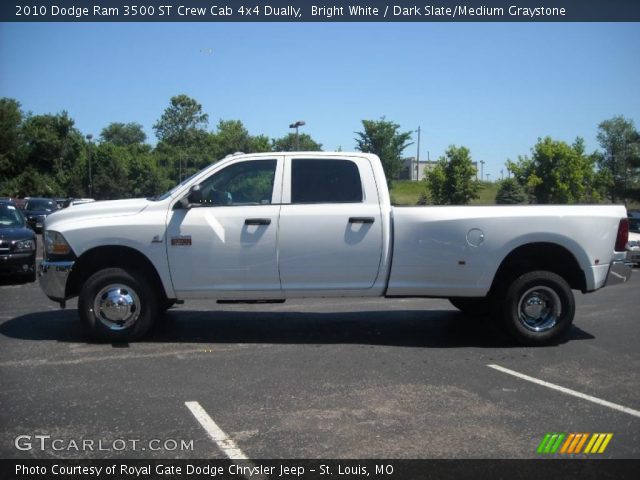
column 117, row 306
column 539, row 309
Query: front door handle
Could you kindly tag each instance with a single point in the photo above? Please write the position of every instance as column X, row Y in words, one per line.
column 361, row 219
column 257, row 221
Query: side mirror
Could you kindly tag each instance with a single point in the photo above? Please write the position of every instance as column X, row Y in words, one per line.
column 192, row 199
column 195, row 194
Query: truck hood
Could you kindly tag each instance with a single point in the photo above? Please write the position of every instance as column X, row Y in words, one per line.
column 102, row 209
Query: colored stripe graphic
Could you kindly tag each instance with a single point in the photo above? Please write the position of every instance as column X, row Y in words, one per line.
column 551, row 442
column 573, row 443
column 598, row 442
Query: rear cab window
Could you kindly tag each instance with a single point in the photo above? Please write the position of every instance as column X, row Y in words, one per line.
column 325, row 181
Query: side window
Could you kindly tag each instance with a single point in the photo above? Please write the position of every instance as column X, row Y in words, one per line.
column 243, row 183
column 325, row 181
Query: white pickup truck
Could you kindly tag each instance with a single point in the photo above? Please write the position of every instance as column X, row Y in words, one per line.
column 272, row 226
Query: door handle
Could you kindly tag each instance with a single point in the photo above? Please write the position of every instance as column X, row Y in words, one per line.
column 361, row 219
column 257, row 221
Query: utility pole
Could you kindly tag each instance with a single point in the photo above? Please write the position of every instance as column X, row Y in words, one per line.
column 502, row 174
column 418, row 158
column 89, row 137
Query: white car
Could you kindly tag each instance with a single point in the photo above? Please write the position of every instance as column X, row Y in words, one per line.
column 633, row 245
column 273, row 226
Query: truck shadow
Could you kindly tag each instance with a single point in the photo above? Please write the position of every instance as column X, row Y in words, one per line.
column 409, row 328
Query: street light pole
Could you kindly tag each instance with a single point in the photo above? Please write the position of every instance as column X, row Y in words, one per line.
column 89, row 137
column 418, row 158
column 296, row 125
column 481, row 169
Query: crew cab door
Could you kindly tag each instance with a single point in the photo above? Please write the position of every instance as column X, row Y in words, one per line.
column 330, row 225
column 225, row 244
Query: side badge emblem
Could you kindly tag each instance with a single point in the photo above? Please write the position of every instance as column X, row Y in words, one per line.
column 182, row 240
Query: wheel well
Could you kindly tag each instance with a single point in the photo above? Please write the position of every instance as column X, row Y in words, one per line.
column 541, row 256
column 111, row 256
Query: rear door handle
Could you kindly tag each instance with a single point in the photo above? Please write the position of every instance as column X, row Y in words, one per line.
column 361, row 219
column 257, row 221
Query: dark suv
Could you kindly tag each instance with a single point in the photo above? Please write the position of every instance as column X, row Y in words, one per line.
column 37, row 209
column 17, row 243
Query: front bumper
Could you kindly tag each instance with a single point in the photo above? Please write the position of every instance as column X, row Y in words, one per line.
column 619, row 272
column 17, row 262
column 53, row 279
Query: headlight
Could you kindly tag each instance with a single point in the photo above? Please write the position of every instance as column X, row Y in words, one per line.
column 55, row 244
column 24, row 245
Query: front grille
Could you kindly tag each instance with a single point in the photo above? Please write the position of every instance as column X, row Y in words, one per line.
column 5, row 246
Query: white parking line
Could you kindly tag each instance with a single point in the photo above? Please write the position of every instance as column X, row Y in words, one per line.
column 568, row 391
column 227, row 445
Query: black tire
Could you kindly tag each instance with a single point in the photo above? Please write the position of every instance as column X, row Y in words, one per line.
column 472, row 306
column 538, row 308
column 127, row 305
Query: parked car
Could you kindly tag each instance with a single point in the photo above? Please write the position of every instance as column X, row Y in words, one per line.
column 17, row 243
column 60, row 201
column 271, row 226
column 633, row 245
column 36, row 210
column 78, row 201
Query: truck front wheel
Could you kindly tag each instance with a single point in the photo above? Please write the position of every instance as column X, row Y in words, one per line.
column 538, row 308
column 117, row 305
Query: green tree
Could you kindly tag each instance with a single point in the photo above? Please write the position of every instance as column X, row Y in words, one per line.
column 259, row 143
column 510, row 192
column 383, row 138
column 123, row 134
column 11, row 143
column 231, row 136
column 619, row 139
column 110, row 171
column 557, row 172
column 180, row 121
column 56, row 150
column 453, row 180
column 288, row 143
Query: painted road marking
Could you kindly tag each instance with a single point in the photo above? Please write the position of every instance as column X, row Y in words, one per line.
column 568, row 391
column 221, row 439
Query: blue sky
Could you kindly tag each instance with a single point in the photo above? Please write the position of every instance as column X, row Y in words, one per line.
column 493, row 87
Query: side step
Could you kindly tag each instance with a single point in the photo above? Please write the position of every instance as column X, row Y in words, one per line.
column 277, row 300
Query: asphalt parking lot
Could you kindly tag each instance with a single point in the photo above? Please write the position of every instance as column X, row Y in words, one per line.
column 314, row 379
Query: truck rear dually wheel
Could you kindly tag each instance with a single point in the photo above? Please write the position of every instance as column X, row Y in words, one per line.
column 538, row 308
column 117, row 305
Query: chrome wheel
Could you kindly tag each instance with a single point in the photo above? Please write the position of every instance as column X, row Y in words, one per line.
column 117, row 306
column 539, row 309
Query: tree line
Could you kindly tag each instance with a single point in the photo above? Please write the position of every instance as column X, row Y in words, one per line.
column 46, row 155
column 555, row 173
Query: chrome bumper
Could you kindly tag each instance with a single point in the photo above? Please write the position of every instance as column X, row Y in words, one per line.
column 53, row 279
column 619, row 272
